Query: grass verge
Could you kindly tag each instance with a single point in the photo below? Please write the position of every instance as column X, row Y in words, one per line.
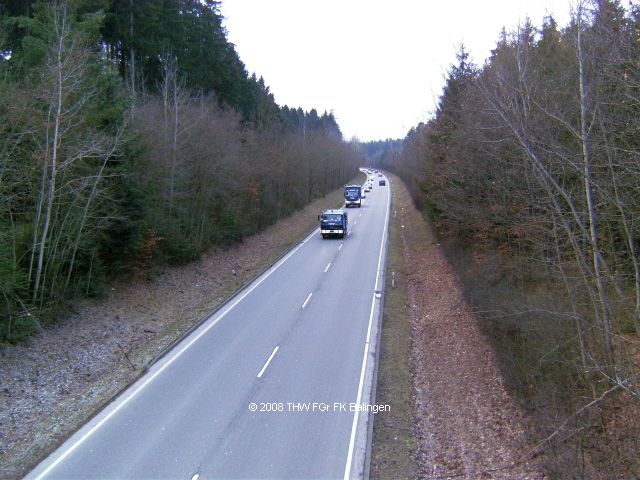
column 393, row 445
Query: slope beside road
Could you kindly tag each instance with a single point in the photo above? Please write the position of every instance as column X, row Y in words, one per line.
column 270, row 386
column 463, row 422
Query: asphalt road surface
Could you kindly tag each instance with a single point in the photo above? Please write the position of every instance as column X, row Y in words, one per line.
column 276, row 384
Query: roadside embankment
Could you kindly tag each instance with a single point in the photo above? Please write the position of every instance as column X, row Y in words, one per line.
column 465, row 423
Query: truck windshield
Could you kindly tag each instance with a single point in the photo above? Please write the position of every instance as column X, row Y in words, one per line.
column 332, row 217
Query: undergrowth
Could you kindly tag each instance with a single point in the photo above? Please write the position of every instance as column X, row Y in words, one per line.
column 586, row 425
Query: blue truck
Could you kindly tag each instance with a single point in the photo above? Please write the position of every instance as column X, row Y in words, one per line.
column 333, row 223
column 353, row 196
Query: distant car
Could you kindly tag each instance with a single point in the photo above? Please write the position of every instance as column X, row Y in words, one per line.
column 382, row 183
column 367, row 188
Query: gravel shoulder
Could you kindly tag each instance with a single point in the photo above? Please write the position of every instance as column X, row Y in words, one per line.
column 55, row 381
column 467, row 425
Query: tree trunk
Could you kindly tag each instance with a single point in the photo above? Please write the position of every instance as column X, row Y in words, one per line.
column 588, row 191
column 132, row 60
column 61, row 34
column 106, row 156
column 174, row 145
column 41, row 195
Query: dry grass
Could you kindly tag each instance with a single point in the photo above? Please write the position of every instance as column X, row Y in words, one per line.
column 465, row 422
column 394, row 445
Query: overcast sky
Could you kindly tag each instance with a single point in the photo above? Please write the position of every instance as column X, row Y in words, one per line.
column 379, row 65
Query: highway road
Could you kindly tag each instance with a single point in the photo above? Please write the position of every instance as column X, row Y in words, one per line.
column 270, row 386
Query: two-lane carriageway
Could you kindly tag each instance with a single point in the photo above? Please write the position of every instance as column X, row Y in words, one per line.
column 297, row 346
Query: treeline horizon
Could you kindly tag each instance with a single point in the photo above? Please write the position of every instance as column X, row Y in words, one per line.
column 530, row 169
column 132, row 137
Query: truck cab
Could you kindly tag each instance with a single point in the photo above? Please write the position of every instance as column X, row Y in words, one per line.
column 333, row 223
column 353, row 196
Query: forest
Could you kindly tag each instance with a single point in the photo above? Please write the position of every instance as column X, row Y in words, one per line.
column 133, row 137
column 530, row 170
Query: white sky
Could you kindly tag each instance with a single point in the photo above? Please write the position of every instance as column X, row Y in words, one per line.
column 378, row 65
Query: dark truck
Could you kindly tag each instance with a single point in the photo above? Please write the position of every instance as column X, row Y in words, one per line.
column 353, row 196
column 333, row 222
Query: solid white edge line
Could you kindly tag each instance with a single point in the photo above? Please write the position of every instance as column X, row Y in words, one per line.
column 325, row 270
column 354, row 425
column 170, row 360
column 273, row 354
column 307, row 300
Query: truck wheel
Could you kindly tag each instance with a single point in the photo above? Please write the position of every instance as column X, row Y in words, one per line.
column 324, row 236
